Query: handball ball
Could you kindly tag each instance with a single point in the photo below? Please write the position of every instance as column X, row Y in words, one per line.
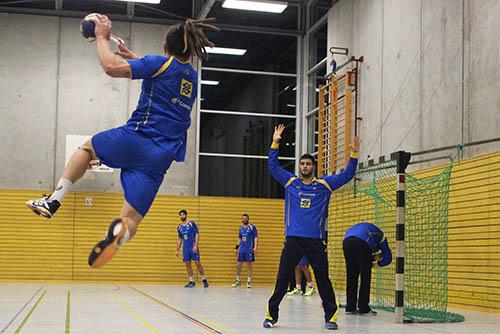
column 87, row 27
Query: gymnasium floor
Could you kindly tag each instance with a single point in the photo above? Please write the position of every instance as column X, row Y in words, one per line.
column 43, row 308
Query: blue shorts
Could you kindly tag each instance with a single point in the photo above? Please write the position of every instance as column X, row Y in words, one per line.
column 143, row 163
column 189, row 255
column 303, row 261
column 246, row 257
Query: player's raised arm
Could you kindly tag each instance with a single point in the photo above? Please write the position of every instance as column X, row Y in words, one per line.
column 112, row 65
column 277, row 172
column 338, row 180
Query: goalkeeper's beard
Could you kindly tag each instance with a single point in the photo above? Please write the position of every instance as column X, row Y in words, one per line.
column 306, row 175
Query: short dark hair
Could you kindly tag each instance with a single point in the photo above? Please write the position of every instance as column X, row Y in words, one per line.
column 245, row 215
column 309, row 157
column 183, row 211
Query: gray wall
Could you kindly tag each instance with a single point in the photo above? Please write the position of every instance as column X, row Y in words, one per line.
column 51, row 85
column 412, row 94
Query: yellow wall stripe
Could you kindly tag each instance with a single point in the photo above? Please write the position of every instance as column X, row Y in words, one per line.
column 36, row 249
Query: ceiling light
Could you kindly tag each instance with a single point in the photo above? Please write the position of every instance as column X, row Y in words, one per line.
column 155, row 2
column 256, row 5
column 209, row 82
column 227, row 51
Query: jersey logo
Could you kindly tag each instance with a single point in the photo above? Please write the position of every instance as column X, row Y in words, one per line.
column 186, row 88
column 305, row 203
column 185, row 237
column 244, row 239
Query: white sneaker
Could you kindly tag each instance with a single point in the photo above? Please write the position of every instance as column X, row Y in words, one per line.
column 43, row 206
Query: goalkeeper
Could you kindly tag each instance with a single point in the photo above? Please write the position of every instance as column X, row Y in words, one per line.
column 364, row 245
column 306, row 209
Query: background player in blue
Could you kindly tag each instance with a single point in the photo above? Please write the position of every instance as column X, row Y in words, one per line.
column 362, row 243
column 154, row 136
column 303, row 268
column 306, row 210
column 189, row 237
column 246, row 249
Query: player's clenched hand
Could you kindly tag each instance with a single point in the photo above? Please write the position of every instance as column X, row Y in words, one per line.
column 102, row 26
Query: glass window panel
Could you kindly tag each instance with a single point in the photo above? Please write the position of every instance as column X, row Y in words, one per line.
column 318, row 45
column 321, row 42
column 317, row 9
column 312, row 133
column 239, row 177
column 249, row 93
column 315, row 81
column 220, row 133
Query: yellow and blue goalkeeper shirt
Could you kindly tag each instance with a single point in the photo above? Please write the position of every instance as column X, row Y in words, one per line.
column 306, row 204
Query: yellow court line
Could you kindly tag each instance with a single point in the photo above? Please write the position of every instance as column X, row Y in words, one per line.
column 139, row 317
column 18, row 330
column 21, row 310
column 187, row 316
column 67, row 315
column 144, row 322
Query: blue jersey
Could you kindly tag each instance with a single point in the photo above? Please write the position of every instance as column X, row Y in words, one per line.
column 306, row 205
column 187, row 232
column 169, row 89
column 247, row 236
column 374, row 237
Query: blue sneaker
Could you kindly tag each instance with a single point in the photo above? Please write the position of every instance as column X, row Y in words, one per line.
column 205, row 283
column 269, row 323
column 190, row 285
column 331, row 325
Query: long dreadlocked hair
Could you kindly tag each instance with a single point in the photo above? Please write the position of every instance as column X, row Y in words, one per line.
column 188, row 39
